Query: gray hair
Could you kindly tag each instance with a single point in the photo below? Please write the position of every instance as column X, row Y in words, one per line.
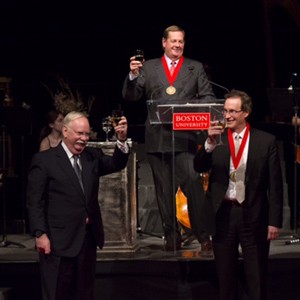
column 73, row 115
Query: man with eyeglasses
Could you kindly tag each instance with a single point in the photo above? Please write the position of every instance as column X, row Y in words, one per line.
column 63, row 209
column 244, row 201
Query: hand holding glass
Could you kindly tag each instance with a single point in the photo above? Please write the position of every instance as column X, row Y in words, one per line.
column 219, row 120
column 116, row 117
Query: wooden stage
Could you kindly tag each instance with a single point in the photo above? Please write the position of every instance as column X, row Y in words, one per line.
column 147, row 272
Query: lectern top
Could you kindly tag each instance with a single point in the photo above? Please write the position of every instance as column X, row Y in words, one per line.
column 160, row 112
column 191, row 105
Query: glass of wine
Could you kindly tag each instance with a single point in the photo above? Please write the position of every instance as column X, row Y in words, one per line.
column 218, row 119
column 139, row 55
column 115, row 118
column 106, row 126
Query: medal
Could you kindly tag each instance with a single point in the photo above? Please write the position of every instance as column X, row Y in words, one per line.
column 232, row 176
column 171, row 90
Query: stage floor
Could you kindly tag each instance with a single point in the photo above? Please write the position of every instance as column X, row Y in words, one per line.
column 148, row 272
column 146, row 247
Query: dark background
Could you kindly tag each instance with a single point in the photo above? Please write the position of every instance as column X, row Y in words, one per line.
column 252, row 45
column 89, row 45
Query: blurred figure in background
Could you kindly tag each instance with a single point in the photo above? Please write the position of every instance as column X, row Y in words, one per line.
column 51, row 134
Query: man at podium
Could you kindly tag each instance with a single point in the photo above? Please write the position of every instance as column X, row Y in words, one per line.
column 171, row 78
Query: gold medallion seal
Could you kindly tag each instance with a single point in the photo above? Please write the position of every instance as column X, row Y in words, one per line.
column 232, row 176
column 171, row 90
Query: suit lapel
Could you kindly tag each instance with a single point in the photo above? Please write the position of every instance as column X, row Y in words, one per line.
column 252, row 151
column 225, row 151
column 161, row 72
column 87, row 171
column 184, row 72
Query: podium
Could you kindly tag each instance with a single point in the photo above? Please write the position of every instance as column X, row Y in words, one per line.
column 117, row 200
column 181, row 120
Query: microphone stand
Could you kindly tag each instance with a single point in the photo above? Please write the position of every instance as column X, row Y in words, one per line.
column 4, row 242
column 295, row 238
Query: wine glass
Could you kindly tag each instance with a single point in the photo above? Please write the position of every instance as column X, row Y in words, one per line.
column 218, row 119
column 139, row 55
column 106, row 126
column 115, row 118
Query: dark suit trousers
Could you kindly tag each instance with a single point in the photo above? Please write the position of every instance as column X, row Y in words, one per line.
column 70, row 278
column 185, row 177
column 231, row 231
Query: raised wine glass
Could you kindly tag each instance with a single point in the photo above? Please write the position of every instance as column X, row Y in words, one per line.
column 106, row 126
column 115, row 118
column 139, row 55
column 218, row 119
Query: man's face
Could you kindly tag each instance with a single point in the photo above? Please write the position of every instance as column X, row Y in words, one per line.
column 235, row 117
column 77, row 134
column 174, row 45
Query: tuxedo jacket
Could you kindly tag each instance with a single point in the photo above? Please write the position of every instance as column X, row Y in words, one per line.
column 191, row 84
column 56, row 203
column 263, row 204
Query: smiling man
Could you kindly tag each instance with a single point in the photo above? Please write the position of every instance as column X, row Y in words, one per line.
column 243, row 206
column 63, row 209
column 172, row 78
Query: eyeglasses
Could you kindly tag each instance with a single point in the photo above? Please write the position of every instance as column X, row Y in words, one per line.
column 231, row 112
column 80, row 133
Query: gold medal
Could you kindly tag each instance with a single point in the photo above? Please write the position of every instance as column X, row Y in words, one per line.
column 171, row 90
column 232, row 176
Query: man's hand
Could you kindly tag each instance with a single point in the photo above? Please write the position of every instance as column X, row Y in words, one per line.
column 43, row 244
column 135, row 66
column 121, row 129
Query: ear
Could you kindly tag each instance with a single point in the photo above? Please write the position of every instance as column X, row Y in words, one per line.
column 246, row 114
column 64, row 130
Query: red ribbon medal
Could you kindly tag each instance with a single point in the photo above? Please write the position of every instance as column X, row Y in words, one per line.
column 236, row 159
column 171, row 78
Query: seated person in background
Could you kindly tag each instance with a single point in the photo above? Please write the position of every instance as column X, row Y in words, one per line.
column 51, row 134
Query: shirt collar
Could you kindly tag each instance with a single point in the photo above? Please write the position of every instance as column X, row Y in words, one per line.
column 241, row 134
column 170, row 60
column 69, row 153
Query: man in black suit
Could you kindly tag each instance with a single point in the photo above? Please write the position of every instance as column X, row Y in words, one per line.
column 244, row 201
column 63, row 209
column 154, row 79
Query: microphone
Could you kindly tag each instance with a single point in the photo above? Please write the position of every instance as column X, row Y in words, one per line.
column 191, row 68
column 292, row 82
column 218, row 85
